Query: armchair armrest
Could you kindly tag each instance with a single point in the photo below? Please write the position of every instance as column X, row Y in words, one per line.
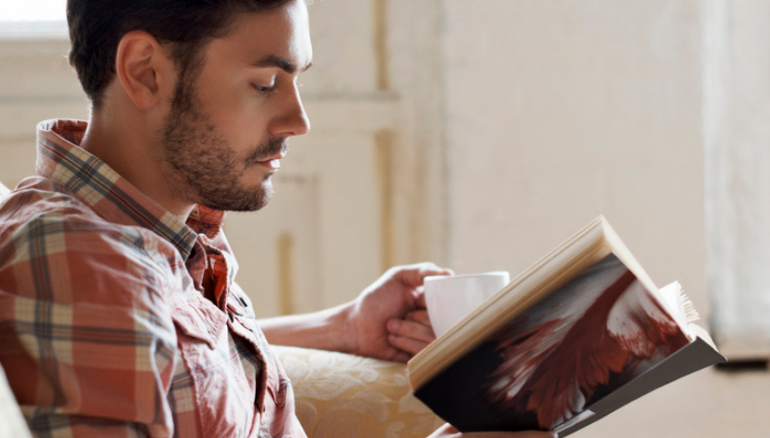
column 341, row 395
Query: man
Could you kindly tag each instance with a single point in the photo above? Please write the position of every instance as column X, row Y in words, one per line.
column 119, row 315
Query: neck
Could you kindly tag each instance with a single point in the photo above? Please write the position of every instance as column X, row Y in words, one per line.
column 127, row 149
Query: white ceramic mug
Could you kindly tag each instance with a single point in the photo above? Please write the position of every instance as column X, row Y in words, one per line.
column 450, row 298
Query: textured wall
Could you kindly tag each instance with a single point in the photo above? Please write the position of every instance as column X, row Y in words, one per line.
column 557, row 111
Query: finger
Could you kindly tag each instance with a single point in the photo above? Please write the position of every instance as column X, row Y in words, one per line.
column 409, row 345
column 420, row 316
column 420, row 302
column 413, row 275
column 411, row 329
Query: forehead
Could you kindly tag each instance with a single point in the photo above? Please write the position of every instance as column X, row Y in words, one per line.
column 282, row 32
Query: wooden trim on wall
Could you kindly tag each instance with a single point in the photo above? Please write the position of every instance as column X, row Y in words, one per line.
column 383, row 170
column 380, row 39
column 286, row 272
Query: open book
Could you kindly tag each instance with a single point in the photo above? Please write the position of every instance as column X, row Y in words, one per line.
column 579, row 334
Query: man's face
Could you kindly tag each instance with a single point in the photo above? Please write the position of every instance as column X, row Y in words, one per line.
column 229, row 123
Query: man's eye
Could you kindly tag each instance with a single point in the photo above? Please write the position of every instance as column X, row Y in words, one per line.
column 265, row 90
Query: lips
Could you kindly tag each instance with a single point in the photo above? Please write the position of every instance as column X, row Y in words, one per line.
column 269, row 153
column 278, row 156
column 272, row 162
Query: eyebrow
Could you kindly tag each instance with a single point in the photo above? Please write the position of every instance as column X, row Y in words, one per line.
column 282, row 63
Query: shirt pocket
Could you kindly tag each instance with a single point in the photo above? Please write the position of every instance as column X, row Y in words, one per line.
column 244, row 324
column 278, row 385
column 279, row 402
column 199, row 319
column 223, row 397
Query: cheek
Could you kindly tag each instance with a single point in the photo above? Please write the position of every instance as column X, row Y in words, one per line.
column 243, row 122
column 233, row 106
column 247, row 130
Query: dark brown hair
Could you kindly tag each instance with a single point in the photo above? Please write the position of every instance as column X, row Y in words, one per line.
column 96, row 27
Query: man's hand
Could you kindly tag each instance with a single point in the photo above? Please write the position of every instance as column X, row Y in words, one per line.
column 448, row 431
column 388, row 320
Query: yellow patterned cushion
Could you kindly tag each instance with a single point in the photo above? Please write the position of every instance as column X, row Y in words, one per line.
column 341, row 395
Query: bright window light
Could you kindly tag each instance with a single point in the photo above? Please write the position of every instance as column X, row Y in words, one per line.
column 33, row 10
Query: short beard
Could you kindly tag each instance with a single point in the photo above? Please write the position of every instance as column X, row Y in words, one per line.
column 202, row 167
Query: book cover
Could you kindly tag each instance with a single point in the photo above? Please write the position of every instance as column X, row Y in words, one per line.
column 574, row 356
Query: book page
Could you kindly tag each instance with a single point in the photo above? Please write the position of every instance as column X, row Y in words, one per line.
column 577, row 253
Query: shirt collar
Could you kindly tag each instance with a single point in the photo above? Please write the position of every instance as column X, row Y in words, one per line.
column 60, row 158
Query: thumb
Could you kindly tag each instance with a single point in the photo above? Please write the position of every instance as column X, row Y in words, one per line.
column 413, row 275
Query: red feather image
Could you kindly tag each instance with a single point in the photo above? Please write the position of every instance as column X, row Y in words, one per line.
column 587, row 338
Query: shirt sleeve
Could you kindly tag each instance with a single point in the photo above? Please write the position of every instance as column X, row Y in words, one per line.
column 86, row 337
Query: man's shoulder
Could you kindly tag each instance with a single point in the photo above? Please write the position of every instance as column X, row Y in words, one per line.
column 49, row 234
column 43, row 209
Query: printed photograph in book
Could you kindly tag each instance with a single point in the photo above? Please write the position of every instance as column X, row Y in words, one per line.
column 548, row 365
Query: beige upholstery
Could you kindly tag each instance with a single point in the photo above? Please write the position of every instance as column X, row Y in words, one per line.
column 340, row 395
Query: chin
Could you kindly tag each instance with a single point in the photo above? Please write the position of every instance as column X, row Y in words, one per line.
column 264, row 194
column 264, row 200
column 238, row 199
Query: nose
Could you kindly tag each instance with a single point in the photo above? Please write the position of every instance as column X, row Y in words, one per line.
column 293, row 120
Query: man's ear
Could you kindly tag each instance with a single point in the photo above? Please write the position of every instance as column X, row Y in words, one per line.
column 144, row 70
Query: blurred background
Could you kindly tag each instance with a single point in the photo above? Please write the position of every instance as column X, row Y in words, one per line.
column 480, row 135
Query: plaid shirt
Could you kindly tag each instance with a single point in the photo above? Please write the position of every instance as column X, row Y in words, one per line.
column 105, row 328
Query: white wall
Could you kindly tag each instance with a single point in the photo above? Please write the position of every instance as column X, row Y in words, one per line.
column 558, row 111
